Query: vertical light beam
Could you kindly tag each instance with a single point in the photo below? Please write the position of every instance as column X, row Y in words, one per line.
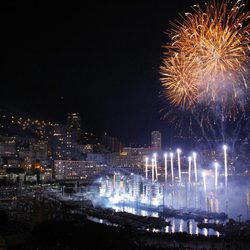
column 216, row 175
column 204, row 182
column 146, row 168
column 179, row 163
column 114, row 181
column 166, row 167
column 189, row 170
column 172, row 166
column 155, row 165
column 205, row 188
column 152, row 169
column 195, row 167
column 225, row 164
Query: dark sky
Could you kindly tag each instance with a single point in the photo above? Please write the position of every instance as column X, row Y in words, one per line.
column 101, row 60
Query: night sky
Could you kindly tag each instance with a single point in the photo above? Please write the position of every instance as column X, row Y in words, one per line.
column 101, row 60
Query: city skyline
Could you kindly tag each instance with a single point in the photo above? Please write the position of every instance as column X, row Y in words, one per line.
column 91, row 62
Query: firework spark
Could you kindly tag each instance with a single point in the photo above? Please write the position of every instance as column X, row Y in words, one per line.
column 206, row 61
column 179, row 75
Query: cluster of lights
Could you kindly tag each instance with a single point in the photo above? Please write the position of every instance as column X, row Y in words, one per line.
column 192, row 160
column 36, row 125
column 188, row 191
column 29, row 122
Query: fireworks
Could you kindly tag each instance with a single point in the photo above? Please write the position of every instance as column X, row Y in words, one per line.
column 205, row 63
column 179, row 81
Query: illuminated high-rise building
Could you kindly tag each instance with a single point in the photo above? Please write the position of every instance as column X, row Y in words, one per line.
column 73, row 128
column 156, row 139
column 74, row 124
column 58, row 141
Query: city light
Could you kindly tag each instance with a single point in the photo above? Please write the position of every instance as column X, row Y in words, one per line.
column 203, row 186
column 166, row 166
column 225, row 165
column 204, row 192
column 179, row 163
column 155, row 166
column 204, row 181
column 216, row 175
column 189, row 170
column 172, row 166
column 195, row 167
column 146, row 167
column 152, row 168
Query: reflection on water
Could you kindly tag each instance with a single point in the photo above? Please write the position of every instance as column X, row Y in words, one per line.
column 190, row 227
column 144, row 213
column 177, row 225
column 155, row 230
column 101, row 221
column 213, row 205
column 205, row 231
column 196, row 230
column 155, row 215
column 181, row 226
column 173, row 226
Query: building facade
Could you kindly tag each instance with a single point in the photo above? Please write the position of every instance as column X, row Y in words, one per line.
column 156, row 140
column 65, row 169
column 74, row 124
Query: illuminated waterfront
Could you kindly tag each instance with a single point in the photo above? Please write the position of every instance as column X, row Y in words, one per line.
column 185, row 195
column 183, row 207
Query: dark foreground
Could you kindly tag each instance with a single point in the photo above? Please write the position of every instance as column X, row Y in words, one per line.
column 37, row 222
column 76, row 232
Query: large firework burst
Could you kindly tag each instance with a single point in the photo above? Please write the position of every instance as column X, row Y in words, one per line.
column 206, row 61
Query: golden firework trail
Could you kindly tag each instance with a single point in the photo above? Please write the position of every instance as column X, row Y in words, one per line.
column 206, row 60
